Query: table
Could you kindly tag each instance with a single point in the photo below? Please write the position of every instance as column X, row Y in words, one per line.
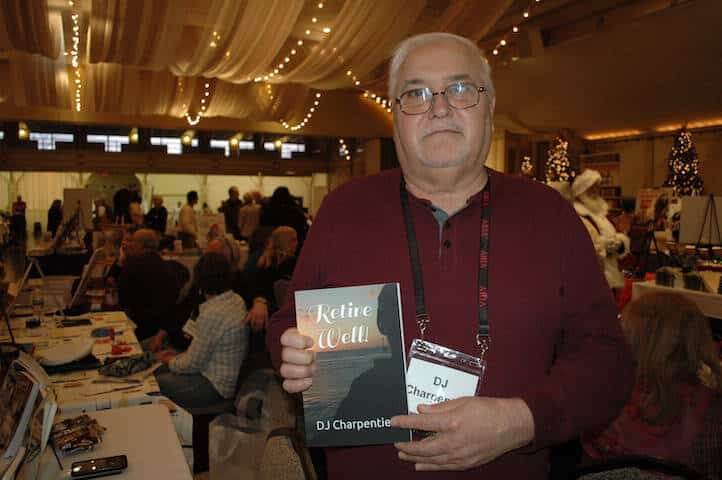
column 144, row 434
column 76, row 391
column 709, row 303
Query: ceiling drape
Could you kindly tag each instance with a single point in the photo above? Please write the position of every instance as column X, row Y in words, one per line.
column 153, row 57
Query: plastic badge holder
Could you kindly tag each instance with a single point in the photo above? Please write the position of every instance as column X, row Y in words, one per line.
column 437, row 374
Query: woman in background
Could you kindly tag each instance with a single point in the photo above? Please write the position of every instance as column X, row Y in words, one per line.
column 55, row 216
column 675, row 410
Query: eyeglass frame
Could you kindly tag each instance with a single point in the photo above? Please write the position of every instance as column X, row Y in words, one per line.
column 479, row 90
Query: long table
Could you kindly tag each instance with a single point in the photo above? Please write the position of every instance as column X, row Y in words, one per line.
column 144, row 434
column 85, row 391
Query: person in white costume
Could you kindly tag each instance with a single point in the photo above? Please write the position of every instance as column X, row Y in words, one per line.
column 609, row 244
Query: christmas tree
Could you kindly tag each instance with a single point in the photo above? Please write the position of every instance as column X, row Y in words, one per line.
column 527, row 168
column 684, row 167
column 558, row 168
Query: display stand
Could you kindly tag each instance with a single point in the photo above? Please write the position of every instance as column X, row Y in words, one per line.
column 710, row 215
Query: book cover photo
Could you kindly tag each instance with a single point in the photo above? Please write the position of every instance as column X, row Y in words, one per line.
column 361, row 378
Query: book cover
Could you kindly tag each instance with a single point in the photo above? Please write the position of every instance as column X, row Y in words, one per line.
column 361, row 378
column 17, row 400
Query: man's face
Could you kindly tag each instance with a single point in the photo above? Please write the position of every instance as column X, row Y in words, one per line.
column 444, row 136
column 233, row 193
column 132, row 247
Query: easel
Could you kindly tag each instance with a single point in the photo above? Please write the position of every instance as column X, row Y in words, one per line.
column 646, row 246
column 69, row 229
column 710, row 212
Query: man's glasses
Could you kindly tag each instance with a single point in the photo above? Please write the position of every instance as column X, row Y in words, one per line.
column 459, row 95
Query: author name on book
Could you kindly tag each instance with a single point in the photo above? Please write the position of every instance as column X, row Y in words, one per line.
column 344, row 324
column 357, row 425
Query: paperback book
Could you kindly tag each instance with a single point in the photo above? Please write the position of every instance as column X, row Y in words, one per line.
column 361, row 378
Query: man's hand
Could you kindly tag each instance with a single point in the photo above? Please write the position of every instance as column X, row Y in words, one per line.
column 298, row 364
column 469, row 432
column 258, row 316
column 165, row 356
column 156, row 342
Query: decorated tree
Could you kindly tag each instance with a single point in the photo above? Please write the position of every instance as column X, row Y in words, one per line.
column 558, row 168
column 527, row 168
column 684, row 167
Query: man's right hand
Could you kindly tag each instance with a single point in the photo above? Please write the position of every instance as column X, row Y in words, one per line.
column 298, row 364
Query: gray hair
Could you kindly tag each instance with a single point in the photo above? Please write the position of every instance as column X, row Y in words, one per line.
column 412, row 43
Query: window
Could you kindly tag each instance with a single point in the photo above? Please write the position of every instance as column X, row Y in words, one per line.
column 47, row 141
column 2, row 134
column 246, row 145
column 287, row 149
column 225, row 145
column 113, row 143
column 173, row 144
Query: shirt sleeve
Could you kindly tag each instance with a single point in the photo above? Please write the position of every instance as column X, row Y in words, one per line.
column 593, row 360
column 200, row 349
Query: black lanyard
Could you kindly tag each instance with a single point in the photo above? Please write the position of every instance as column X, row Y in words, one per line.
column 422, row 317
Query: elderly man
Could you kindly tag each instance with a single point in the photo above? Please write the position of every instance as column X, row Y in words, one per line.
column 148, row 289
column 609, row 244
column 482, row 256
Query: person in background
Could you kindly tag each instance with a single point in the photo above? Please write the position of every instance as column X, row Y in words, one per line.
column 157, row 216
column 55, row 216
column 277, row 262
column 506, row 265
column 206, row 209
column 624, row 221
column 609, row 244
column 230, row 209
column 137, row 219
column 18, row 222
column 675, row 410
column 249, row 215
column 147, row 289
column 207, row 372
column 188, row 222
column 282, row 209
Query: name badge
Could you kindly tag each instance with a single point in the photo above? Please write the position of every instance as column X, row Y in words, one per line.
column 437, row 374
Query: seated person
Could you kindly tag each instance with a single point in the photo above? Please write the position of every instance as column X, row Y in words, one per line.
column 277, row 262
column 207, row 372
column 147, row 289
column 671, row 414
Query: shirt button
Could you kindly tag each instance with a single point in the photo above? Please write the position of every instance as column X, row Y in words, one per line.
column 447, row 243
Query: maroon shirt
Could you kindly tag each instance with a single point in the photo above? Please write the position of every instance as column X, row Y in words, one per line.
column 555, row 339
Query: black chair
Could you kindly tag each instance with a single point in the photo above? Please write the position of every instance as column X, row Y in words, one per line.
column 643, row 463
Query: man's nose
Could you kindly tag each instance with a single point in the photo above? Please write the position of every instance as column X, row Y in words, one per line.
column 439, row 105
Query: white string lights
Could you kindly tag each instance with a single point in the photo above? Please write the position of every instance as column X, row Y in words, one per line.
column 75, row 58
column 195, row 120
column 343, row 149
column 515, row 29
column 381, row 101
column 306, row 118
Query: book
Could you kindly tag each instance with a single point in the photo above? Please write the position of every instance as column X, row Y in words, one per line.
column 18, row 394
column 360, row 383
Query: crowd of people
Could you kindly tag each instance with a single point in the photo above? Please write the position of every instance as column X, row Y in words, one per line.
column 561, row 364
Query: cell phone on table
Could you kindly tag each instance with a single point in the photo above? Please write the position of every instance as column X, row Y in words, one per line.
column 98, row 467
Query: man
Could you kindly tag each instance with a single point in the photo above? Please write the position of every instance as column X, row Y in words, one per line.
column 148, row 290
column 157, row 216
column 18, row 222
column 557, row 362
column 249, row 216
column 188, row 222
column 230, row 210
column 609, row 244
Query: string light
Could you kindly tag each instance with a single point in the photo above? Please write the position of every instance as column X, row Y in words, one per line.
column 75, row 59
column 343, row 149
column 515, row 29
column 195, row 119
column 306, row 118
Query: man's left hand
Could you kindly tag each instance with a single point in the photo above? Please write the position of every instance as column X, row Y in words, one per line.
column 468, row 432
